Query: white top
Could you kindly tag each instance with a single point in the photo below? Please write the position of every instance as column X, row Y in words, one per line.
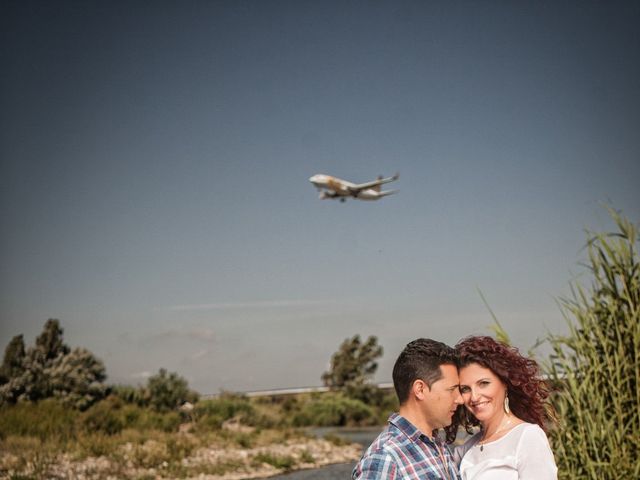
column 523, row 453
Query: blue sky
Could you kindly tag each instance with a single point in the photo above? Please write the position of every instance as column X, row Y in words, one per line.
column 155, row 157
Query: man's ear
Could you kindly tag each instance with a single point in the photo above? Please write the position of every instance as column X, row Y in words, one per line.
column 419, row 389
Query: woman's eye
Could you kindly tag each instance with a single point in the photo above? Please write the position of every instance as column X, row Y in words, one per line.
column 464, row 389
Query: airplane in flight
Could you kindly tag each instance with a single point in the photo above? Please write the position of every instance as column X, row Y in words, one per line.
column 333, row 187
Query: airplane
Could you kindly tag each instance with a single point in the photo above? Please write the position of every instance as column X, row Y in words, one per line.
column 333, row 187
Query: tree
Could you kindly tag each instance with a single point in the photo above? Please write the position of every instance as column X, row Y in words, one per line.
column 596, row 367
column 353, row 365
column 77, row 378
column 51, row 369
column 49, row 343
column 168, row 391
column 13, row 362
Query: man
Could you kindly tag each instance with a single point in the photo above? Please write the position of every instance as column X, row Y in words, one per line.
column 425, row 377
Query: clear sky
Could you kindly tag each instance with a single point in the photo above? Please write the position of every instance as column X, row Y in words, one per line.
column 154, row 190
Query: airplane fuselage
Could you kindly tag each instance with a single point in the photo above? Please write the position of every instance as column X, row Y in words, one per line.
column 333, row 187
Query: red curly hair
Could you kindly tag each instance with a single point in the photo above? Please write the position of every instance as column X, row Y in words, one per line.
column 526, row 389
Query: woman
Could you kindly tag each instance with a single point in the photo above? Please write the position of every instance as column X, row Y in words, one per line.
column 504, row 394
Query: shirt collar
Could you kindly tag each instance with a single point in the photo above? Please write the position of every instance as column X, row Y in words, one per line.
column 410, row 430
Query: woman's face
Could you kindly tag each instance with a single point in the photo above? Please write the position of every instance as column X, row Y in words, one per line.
column 483, row 392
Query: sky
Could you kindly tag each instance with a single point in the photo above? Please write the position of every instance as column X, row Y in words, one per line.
column 155, row 156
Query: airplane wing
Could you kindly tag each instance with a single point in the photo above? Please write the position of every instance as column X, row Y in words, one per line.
column 374, row 183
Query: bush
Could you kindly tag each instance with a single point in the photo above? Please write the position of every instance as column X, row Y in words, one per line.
column 284, row 462
column 387, row 405
column 597, row 365
column 146, row 419
column 112, row 415
column 168, row 391
column 334, row 409
column 213, row 413
column 133, row 395
column 44, row 419
column 104, row 417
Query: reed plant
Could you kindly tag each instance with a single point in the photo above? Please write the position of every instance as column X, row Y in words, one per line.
column 596, row 366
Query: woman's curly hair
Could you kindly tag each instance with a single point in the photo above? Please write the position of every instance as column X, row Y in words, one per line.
column 527, row 391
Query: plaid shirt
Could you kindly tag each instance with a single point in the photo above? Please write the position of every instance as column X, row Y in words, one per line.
column 402, row 451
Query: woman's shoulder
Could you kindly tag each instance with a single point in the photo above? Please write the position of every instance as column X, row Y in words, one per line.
column 531, row 429
column 531, row 434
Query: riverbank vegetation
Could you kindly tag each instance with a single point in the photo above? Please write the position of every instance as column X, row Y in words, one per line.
column 91, row 430
column 228, row 437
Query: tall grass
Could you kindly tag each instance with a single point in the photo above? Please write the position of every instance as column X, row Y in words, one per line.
column 597, row 365
column 43, row 420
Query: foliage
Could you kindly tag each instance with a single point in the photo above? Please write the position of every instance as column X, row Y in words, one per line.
column 498, row 330
column 12, row 363
column 51, row 418
column 51, row 369
column 49, row 344
column 130, row 394
column 133, row 453
column 285, row 462
column 597, row 365
column 168, row 391
column 77, row 378
column 334, row 409
column 45, row 419
column 353, row 365
column 213, row 413
column 104, row 417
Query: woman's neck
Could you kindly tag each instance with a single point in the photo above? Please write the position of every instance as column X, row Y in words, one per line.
column 492, row 426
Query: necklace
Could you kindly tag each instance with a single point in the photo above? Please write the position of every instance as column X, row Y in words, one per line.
column 501, row 428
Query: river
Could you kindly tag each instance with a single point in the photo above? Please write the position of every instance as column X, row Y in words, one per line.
column 363, row 436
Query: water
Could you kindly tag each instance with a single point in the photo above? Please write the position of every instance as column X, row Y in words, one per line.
column 331, row 472
column 363, row 436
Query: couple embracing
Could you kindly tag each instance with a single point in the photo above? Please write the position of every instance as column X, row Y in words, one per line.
column 501, row 392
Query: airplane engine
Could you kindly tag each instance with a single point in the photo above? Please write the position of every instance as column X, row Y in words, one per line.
column 368, row 194
column 327, row 195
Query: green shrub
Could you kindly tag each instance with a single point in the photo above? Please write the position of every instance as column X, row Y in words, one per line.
column 284, row 462
column 213, row 413
column 168, row 391
column 111, row 416
column 104, row 417
column 307, row 457
column 147, row 419
column 133, row 395
column 387, row 404
column 334, row 409
column 597, row 365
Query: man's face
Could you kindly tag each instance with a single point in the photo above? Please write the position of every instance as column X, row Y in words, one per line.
column 442, row 400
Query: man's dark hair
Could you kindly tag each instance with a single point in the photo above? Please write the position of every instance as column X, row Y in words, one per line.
column 420, row 360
